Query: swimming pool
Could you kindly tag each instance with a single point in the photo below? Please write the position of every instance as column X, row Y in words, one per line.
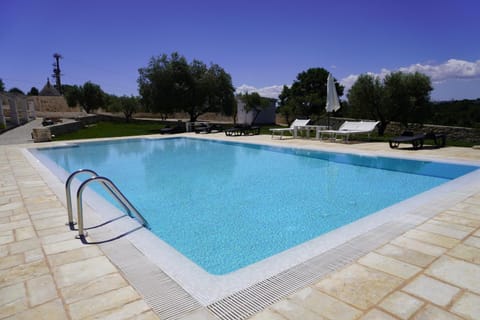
column 226, row 206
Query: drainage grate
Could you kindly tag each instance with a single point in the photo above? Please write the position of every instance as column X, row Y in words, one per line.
column 247, row 302
column 160, row 292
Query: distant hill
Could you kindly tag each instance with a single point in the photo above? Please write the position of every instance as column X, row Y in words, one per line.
column 461, row 113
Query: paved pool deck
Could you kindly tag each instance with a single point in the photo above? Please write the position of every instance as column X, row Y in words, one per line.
column 431, row 271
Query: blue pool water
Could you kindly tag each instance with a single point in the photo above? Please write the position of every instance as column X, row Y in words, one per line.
column 228, row 205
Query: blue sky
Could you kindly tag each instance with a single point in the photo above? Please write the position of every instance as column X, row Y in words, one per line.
column 263, row 45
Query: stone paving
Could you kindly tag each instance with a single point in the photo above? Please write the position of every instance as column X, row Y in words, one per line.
column 430, row 272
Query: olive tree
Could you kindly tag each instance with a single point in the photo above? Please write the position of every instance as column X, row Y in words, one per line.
column 254, row 103
column 128, row 105
column 170, row 83
column 90, row 96
column 402, row 97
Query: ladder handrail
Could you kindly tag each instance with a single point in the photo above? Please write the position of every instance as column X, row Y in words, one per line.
column 71, row 223
column 68, row 183
column 118, row 195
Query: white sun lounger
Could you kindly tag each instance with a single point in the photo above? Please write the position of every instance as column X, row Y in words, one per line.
column 351, row 127
column 291, row 129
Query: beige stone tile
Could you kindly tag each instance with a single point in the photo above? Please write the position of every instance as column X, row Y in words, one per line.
column 150, row 315
column 431, row 312
column 41, row 290
column 401, row 304
column 477, row 233
column 473, row 200
column 62, row 246
column 4, row 220
column 457, row 272
column 6, row 237
column 419, row 246
column 99, row 304
column 432, row 290
column 54, row 230
column 468, row 306
column 24, row 233
column 11, row 261
column 94, row 287
column 83, row 271
column 33, row 255
column 23, row 272
column 432, row 238
column 15, row 224
column 11, row 206
column 60, row 236
column 10, row 310
column 47, row 223
column 324, row 305
column 468, row 211
column 473, row 241
column 24, row 245
column 49, row 213
column 21, row 216
column 264, row 315
column 291, row 310
column 406, row 255
column 3, row 251
column 53, row 310
column 452, row 218
column 445, row 229
column 35, row 207
column 74, row 255
column 376, row 314
column 358, row 285
column 389, row 265
column 468, row 253
column 125, row 311
column 12, row 293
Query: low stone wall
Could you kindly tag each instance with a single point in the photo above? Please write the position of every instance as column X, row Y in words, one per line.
column 68, row 127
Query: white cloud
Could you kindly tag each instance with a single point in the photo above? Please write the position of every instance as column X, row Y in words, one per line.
column 268, row 92
column 451, row 69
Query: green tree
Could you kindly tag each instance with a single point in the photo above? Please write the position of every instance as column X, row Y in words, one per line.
column 2, row 85
column 33, row 92
column 407, row 97
column 90, row 96
column 170, row 83
column 125, row 104
column 16, row 90
column 402, row 97
column 254, row 103
column 365, row 100
column 308, row 94
column 286, row 105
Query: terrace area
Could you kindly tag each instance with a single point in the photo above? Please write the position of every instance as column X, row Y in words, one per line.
column 430, row 271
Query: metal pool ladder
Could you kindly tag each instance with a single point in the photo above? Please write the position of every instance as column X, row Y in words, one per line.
column 110, row 187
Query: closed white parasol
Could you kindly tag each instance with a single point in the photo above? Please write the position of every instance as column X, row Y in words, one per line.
column 333, row 104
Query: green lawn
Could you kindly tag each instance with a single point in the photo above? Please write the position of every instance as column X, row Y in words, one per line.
column 113, row 129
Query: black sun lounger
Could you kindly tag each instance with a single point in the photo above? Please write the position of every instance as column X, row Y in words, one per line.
column 417, row 140
column 242, row 130
column 207, row 128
